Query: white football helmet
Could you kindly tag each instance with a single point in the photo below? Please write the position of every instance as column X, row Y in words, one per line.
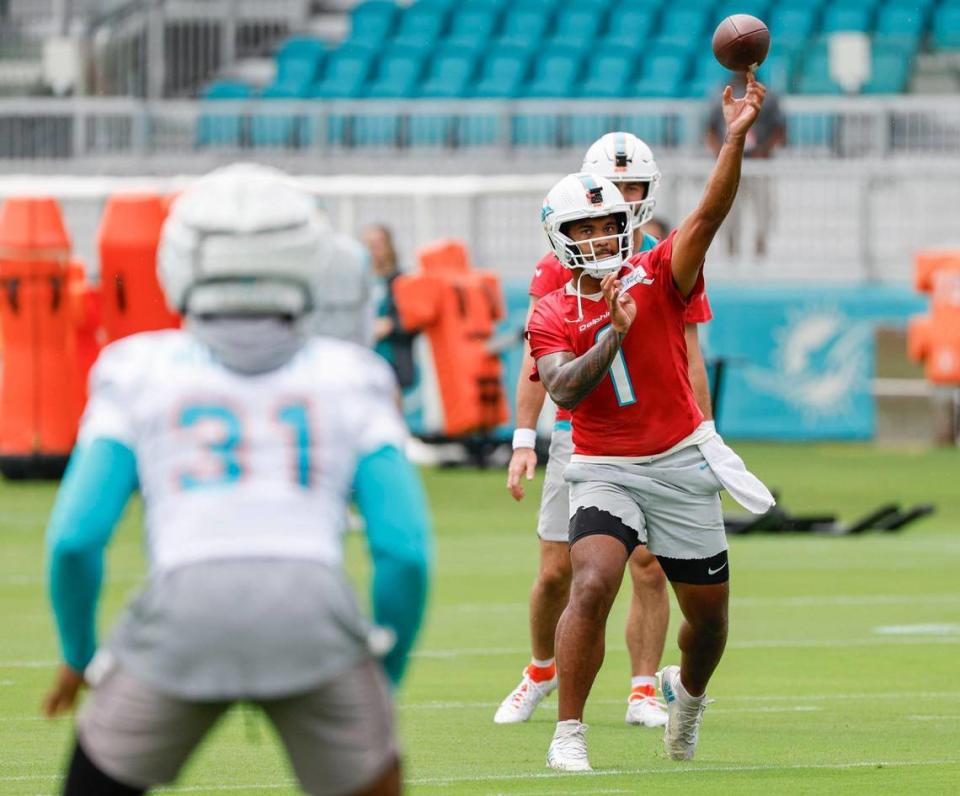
column 622, row 157
column 579, row 196
column 243, row 240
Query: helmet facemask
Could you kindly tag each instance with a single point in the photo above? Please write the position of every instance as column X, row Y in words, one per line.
column 583, row 253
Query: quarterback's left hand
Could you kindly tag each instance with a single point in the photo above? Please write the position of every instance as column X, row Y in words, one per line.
column 63, row 696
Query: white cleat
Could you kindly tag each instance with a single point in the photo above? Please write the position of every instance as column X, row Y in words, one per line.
column 684, row 715
column 523, row 700
column 568, row 749
column 646, row 712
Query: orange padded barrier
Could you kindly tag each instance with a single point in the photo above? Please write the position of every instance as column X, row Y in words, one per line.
column 934, row 339
column 456, row 307
column 41, row 392
column 127, row 240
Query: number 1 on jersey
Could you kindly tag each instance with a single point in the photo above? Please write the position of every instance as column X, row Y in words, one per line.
column 619, row 375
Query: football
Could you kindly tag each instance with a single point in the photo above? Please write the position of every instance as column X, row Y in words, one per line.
column 741, row 42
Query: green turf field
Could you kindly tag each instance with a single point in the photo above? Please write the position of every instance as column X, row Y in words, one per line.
column 841, row 673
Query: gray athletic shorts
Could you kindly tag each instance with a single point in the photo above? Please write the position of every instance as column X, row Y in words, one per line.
column 339, row 737
column 672, row 505
column 554, row 519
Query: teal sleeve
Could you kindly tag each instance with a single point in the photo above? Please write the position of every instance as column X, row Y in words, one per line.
column 391, row 499
column 91, row 498
column 649, row 242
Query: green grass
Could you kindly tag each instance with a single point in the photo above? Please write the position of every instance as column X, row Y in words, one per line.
column 810, row 698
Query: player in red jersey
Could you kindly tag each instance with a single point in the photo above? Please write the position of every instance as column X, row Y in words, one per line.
column 645, row 470
column 629, row 163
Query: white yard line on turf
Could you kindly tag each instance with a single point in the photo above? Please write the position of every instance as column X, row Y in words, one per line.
column 685, row 769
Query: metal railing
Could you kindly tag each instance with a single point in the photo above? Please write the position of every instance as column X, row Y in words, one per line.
column 130, row 134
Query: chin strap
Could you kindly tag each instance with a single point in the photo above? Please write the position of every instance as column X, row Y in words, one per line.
column 579, row 317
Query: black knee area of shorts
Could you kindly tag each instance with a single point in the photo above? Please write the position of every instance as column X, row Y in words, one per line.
column 589, row 521
column 85, row 779
column 697, row 571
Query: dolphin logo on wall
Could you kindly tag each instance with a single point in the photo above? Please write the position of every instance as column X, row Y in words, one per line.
column 820, row 362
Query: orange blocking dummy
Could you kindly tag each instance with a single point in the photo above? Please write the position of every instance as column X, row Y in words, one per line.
column 934, row 339
column 127, row 240
column 41, row 389
column 456, row 307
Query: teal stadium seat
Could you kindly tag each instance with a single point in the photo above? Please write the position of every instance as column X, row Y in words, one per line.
column 815, row 74
column 420, row 27
column 756, row 8
column 397, row 75
column 272, row 130
column 792, row 26
column 889, row 74
column 347, row 70
column 555, row 76
column 708, row 76
column 524, row 28
column 608, row 75
column 837, row 18
column 299, row 62
column 215, row 129
column 472, row 27
column 372, row 22
column 449, row 76
column 577, row 28
column 683, row 27
column 946, row 27
column 502, row 73
column 778, row 71
column 662, row 76
column 629, row 30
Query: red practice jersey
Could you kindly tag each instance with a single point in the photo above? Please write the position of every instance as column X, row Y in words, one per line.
column 644, row 405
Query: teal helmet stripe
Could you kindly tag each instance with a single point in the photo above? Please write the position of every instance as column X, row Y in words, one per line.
column 620, row 143
column 588, row 182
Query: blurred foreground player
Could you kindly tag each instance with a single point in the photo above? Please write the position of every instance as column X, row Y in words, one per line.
column 629, row 164
column 246, row 437
column 645, row 469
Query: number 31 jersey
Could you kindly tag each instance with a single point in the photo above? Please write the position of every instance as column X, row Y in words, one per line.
column 241, row 466
column 644, row 405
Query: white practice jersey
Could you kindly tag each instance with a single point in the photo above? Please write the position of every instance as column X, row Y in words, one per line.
column 237, row 466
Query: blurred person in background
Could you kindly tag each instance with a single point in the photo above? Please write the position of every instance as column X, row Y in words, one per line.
column 247, row 437
column 658, row 227
column 767, row 134
column 392, row 342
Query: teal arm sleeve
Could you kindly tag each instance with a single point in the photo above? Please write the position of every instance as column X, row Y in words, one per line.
column 392, row 501
column 95, row 489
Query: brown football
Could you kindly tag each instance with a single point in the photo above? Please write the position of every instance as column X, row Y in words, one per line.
column 741, row 42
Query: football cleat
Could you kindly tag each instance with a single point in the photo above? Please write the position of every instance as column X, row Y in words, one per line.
column 523, row 700
column 684, row 715
column 568, row 749
column 646, row 711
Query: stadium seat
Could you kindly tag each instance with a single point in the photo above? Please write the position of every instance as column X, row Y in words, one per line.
column 792, row 26
column 523, row 28
column 815, row 75
column 371, row 22
column 902, row 19
column 708, row 76
column 346, row 72
column 219, row 129
column 629, row 29
column 662, row 76
column 946, row 27
column 539, row 129
column 555, row 74
column 473, row 27
column 270, row 130
column 777, row 71
column 299, row 63
column 420, row 26
column 608, row 75
column 810, row 131
column 756, row 8
column 889, row 75
column 577, row 27
column 503, row 71
column 684, row 22
column 400, row 69
column 847, row 18
column 449, row 74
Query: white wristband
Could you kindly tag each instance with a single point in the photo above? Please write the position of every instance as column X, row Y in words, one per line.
column 525, row 438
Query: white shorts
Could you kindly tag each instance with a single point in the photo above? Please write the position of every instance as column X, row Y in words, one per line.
column 553, row 522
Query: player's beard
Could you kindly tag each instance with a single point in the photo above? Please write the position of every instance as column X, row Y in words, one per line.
column 250, row 345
